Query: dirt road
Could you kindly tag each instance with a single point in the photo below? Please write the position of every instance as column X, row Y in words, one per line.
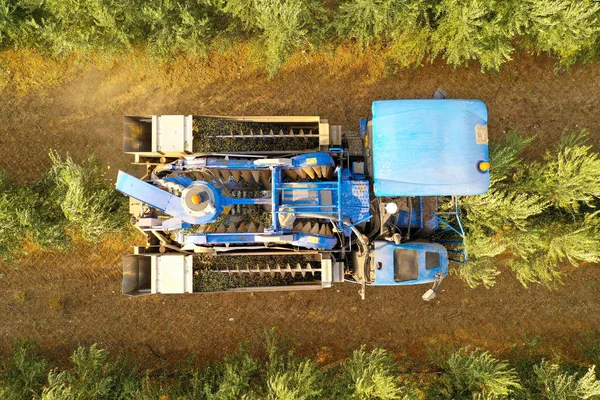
column 64, row 300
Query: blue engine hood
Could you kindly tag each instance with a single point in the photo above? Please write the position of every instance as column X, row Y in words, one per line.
column 429, row 147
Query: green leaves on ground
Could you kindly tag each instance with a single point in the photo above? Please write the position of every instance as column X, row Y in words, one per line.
column 279, row 373
column 477, row 30
column 373, row 375
column 89, row 206
column 567, row 29
column 28, row 213
column 171, row 27
column 281, row 26
column 401, row 26
column 410, row 31
column 94, row 376
column 554, row 383
column 569, row 176
column 478, row 375
column 287, row 376
column 23, row 375
column 70, row 199
column 541, row 214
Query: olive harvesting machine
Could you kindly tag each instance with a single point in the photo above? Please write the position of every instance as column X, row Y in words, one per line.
column 293, row 203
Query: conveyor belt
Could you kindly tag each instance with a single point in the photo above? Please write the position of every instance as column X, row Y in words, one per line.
column 213, row 134
column 213, row 273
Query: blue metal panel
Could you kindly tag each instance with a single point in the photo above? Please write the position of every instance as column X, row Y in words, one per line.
column 428, row 147
column 300, row 161
column 312, row 159
column 163, row 200
column 142, row 191
column 219, row 163
column 355, row 200
column 314, row 241
column 345, row 199
column 384, row 254
column 429, row 221
column 363, row 127
column 226, row 201
column 306, row 240
column 180, row 180
column 275, row 182
column 403, row 219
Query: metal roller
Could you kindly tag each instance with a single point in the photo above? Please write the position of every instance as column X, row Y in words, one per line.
column 298, row 269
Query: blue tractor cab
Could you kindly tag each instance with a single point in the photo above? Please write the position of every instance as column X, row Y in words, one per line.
column 408, row 263
column 424, row 154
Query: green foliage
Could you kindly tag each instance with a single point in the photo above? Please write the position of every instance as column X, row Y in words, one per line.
column 554, row 383
column 477, row 30
column 94, row 376
column 463, row 374
column 570, row 175
column 366, row 21
column 576, row 242
column 15, row 18
column 538, row 213
column 22, row 376
column 536, row 270
column 282, row 26
column 408, row 30
column 479, row 271
column 529, row 261
column 26, row 213
column 482, row 249
column 79, row 25
column 488, row 218
column 171, row 26
column 89, row 206
column 538, row 252
column 371, row 375
column 70, row 199
column 401, row 25
column 568, row 29
column 289, row 377
column 229, row 380
column 505, row 155
column 591, row 349
column 111, row 26
column 15, row 215
column 477, row 374
column 499, row 208
column 59, row 27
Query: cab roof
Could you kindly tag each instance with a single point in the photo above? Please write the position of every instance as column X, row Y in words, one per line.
column 429, row 147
